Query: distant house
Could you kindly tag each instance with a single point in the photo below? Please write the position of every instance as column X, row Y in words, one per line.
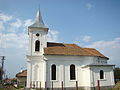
column 10, row 81
column 21, row 78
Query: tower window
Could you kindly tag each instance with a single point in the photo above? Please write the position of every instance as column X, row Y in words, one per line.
column 72, row 72
column 37, row 34
column 101, row 74
column 53, row 72
column 37, row 45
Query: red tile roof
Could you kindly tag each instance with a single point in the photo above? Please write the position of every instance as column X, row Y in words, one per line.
column 22, row 74
column 70, row 49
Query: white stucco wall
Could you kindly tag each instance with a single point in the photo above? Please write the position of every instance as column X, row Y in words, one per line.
column 32, row 38
column 108, row 76
column 36, row 70
column 63, row 70
column 39, row 69
column 83, row 75
column 36, row 65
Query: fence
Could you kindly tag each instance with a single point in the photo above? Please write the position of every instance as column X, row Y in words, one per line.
column 37, row 85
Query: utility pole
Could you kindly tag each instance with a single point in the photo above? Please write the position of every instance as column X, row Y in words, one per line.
column 3, row 58
column 2, row 67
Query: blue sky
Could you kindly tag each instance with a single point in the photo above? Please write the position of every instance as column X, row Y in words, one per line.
column 88, row 23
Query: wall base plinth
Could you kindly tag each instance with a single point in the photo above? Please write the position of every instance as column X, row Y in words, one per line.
column 74, row 88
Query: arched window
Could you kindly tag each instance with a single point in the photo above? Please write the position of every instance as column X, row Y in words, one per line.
column 53, row 72
column 101, row 74
column 37, row 45
column 72, row 72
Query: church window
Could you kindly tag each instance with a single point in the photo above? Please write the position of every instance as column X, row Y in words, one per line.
column 101, row 74
column 53, row 72
column 72, row 72
column 37, row 45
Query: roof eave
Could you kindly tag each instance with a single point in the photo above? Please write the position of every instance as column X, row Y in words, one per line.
column 98, row 65
column 21, row 76
column 75, row 55
column 43, row 28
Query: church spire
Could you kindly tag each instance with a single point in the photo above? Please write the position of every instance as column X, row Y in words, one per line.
column 38, row 23
column 38, row 18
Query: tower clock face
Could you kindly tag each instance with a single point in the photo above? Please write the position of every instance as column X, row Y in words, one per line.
column 37, row 34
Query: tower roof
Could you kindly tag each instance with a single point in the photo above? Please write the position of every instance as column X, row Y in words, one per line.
column 38, row 23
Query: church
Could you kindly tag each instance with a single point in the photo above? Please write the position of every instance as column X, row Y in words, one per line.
column 51, row 64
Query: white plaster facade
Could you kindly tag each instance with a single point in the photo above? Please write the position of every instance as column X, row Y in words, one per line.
column 87, row 68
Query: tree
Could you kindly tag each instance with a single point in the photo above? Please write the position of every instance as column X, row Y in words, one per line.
column 117, row 74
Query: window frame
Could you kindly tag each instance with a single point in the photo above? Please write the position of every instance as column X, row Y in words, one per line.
column 52, row 73
column 72, row 73
column 103, row 75
column 37, row 46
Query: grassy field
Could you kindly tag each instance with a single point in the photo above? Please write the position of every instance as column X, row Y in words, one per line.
column 117, row 86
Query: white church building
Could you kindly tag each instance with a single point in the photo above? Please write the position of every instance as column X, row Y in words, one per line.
column 51, row 64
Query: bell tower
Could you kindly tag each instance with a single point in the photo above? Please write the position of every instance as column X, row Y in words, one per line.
column 37, row 36
column 36, row 65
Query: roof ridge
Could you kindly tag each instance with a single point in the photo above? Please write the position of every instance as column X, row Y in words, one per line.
column 60, row 43
column 89, row 48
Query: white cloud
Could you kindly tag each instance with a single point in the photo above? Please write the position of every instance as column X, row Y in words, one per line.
column 53, row 36
column 12, row 40
column 89, row 6
column 28, row 22
column 16, row 35
column 13, row 24
column 109, row 48
column 16, row 24
column 5, row 17
column 86, row 38
column 1, row 26
column 115, row 43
